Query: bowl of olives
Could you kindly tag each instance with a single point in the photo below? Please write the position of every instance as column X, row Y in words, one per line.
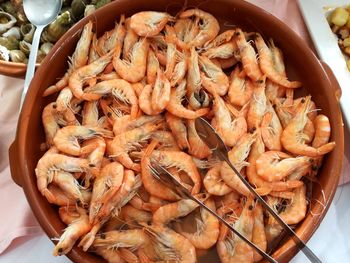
column 16, row 32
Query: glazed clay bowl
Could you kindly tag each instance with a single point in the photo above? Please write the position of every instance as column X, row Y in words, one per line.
column 301, row 64
column 13, row 69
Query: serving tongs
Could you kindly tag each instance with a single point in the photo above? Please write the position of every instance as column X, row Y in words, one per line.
column 209, row 136
column 162, row 174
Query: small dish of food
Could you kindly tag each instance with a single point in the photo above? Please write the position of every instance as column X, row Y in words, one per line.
column 16, row 32
column 319, row 16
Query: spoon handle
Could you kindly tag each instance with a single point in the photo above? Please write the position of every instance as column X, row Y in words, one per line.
column 31, row 61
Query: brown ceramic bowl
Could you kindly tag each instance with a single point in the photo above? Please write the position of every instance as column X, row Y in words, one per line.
column 13, row 69
column 302, row 64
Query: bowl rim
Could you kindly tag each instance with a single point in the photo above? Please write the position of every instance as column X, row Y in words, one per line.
column 290, row 249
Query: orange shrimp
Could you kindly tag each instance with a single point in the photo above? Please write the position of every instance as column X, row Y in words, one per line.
column 273, row 166
column 292, row 136
column 197, row 148
column 248, row 56
column 267, row 65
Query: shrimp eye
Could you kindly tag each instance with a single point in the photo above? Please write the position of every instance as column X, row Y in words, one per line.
column 311, row 160
column 91, row 165
column 78, row 202
column 54, row 105
column 103, row 236
column 237, row 33
column 314, row 168
column 250, row 207
column 252, row 130
column 302, row 100
column 109, row 114
column 260, row 81
column 60, row 250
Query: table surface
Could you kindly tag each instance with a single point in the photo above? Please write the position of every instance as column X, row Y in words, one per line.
column 330, row 242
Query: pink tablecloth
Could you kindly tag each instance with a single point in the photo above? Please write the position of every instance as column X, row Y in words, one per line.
column 16, row 218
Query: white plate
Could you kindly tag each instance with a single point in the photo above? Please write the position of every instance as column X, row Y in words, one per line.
column 314, row 13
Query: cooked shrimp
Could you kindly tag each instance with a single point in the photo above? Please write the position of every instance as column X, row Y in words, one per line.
column 151, row 184
column 110, row 255
column 166, row 140
column 112, row 39
column 72, row 233
column 267, row 65
column 193, row 77
column 120, row 198
column 129, row 40
column 176, row 108
column 292, row 136
column 259, row 236
column 237, row 157
column 121, row 90
column 145, row 101
column 225, row 51
column 60, row 198
column 172, row 211
column 220, row 39
column 125, row 142
column 248, row 56
column 207, row 228
column 131, row 238
column 198, row 148
column 178, row 129
column 105, row 185
column 274, row 165
column 66, row 139
column 149, row 23
column 51, row 122
column 78, row 60
column 68, row 184
column 212, row 76
column 50, row 163
column 240, row 90
column 234, row 249
column 124, row 123
column 152, row 67
column 257, row 149
column 63, row 99
column 179, row 72
column 133, row 70
column 209, row 27
column 181, row 161
column 171, row 246
column 271, row 129
column 161, row 92
column 213, row 182
column 90, row 113
column 228, row 128
column 134, row 215
column 257, row 106
column 81, row 75
column 296, row 210
column 322, row 135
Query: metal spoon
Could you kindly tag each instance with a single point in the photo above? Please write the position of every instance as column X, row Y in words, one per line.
column 40, row 13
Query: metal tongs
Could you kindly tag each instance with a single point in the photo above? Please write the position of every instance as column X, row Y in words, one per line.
column 171, row 181
column 216, row 144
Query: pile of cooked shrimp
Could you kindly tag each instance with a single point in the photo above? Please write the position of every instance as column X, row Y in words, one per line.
column 130, row 98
